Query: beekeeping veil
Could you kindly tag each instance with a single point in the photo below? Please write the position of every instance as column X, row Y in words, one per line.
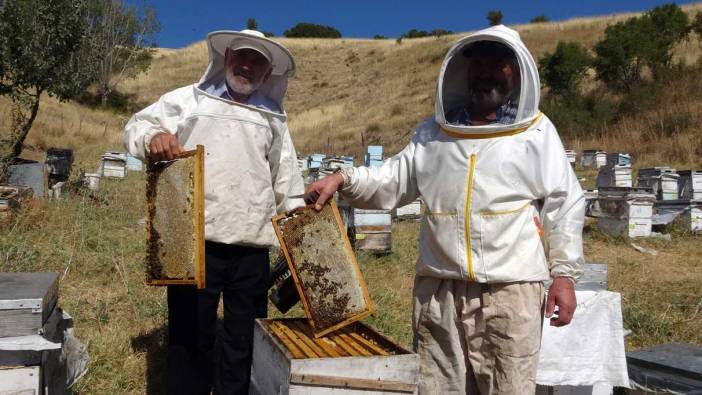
column 282, row 61
column 453, row 90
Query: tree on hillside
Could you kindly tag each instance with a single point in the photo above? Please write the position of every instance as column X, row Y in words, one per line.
column 563, row 70
column 312, row 30
column 414, row 33
column 43, row 47
column 539, row 19
column 122, row 38
column 697, row 25
column 495, row 17
column 440, row 32
column 646, row 41
column 667, row 25
column 621, row 53
column 251, row 24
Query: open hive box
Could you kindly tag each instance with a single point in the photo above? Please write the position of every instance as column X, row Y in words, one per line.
column 330, row 351
column 289, row 359
column 323, row 266
column 175, row 244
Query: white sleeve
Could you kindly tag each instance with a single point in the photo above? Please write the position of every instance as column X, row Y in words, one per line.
column 563, row 213
column 162, row 116
column 391, row 185
column 285, row 173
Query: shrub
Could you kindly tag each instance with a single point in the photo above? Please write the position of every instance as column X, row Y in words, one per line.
column 580, row 116
column 312, row 30
column 621, row 54
column 414, row 33
column 379, row 37
column 697, row 25
column 539, row 19
column 629, row 46
column 495, row 17
column 668, row 25
column 563, row 70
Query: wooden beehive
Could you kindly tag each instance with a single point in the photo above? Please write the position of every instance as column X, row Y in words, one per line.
column 175, row 247
column 356, row 359
column 26, row 301
column 323, row 266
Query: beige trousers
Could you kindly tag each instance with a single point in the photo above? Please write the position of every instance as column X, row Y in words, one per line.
column 477, row 338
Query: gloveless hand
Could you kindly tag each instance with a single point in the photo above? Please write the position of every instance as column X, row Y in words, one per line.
column 325, row 188
column 164, row 146
column 561, row 294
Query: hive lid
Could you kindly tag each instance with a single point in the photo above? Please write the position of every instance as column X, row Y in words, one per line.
column 324, row 267
column 27, row 290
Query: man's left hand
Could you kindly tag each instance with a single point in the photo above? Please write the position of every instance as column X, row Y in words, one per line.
column 561, row 294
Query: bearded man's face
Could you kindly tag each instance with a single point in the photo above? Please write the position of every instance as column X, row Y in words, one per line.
column 490, row 82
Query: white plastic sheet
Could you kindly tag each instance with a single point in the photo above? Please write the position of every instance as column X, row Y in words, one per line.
column 588, row 351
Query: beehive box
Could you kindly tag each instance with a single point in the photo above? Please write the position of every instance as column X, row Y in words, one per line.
column 324, row 268
column 357, row 359
column 625, row 211
column 372, row 230
column 30, row 174
column 409, row 211
column 26, row 301
column 175, row 221
column 114, row 165
column 671, row 368
column 690, row 184
column 20, row 381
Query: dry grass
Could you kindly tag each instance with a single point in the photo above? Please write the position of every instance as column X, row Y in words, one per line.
column 354, row 91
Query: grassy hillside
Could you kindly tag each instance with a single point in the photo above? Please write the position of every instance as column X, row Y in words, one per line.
column 353, row 91
column 377, row 91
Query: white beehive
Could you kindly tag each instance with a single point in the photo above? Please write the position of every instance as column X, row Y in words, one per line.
column 357, row 359
column 625, row 211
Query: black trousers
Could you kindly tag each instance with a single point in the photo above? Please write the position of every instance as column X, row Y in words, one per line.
column 240, row 274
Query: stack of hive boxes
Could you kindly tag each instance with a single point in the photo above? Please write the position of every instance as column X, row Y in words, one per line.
column 625, row 211
column 33, row 333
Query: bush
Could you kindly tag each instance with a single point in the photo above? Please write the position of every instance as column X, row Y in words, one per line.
column 621, row 54
column 580, row 116
column 379, row 37
column 667, row 25
column 697, row 25
column 495, row 17
column 639, row 42
column 563, row 70
column 539, row 19
column 311, row 30
column 414, row 33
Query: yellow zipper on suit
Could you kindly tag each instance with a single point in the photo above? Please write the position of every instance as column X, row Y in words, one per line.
column 469, row 193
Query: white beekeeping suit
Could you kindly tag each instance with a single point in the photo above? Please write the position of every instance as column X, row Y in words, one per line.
column 491, row 191
column 504, row 211
column 250, row 162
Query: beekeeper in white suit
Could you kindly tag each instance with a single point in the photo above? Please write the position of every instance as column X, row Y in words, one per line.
column 236, row 112
column 504, row 212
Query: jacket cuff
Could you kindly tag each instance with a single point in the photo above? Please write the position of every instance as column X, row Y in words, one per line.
column 348, row 174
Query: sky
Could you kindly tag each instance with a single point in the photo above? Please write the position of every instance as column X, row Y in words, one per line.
column 184, row 22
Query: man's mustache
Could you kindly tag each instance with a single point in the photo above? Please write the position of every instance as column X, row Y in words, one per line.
column 242, row 73
column 486, row 85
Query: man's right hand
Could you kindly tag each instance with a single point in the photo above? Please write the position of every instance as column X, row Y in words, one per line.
column 325, row 188
column 164, row 146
